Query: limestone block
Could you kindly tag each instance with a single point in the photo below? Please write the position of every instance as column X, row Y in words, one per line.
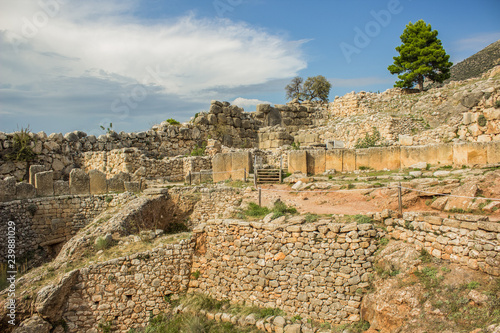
column 79, row 182
column 432, row 154
column 116, row 183
column 316, row 161
column 460, row 154
column 7, row 189
column 222, row 165
column 467, row 118
column 297, row 161
column 493, row 152
column 240, row 161
column 349, row 160
column 133, row 187
column 98, row 184
column 405, row 140
column 476, row 153
column 379, row 158
column 25, row 191
column 335, row 144
column 34, row 169
column 492, row 113
column 44, row 183
column 61, row 187
column 333, row 159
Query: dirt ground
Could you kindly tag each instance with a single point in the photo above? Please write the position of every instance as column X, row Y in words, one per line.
column 349, row 202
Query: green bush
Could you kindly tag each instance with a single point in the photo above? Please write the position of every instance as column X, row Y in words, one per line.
column 481, row 120
column 172, row 121
column 199, row 151
column 255, row 210
column 21, row 146
column 369, row 140
column 102, row 243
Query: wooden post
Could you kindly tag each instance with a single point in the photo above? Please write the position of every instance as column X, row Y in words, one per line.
column 260, row 197
column 190, row 178
column 200, row 177
column 245, row 175
column 400, row 201
column 281, row 168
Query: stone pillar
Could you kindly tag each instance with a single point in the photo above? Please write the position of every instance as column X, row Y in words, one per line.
column 297, row 161
column 98, row 184
column 44, row 183
column 7, row 189
column 79, row 182
column 34, row 169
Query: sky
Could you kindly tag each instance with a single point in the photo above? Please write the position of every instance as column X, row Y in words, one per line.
column 70, row 65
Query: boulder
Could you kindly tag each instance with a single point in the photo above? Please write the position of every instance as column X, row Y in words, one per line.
column 461, row 197
column 33, row 324
column 50, row 300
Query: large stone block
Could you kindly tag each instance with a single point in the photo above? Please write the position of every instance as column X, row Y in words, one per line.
column 116, row 183
column 316, row 161
column 379, row 158
column 44, row 183
column 348, row 160
column 25, row 191
column 133, row 187
column 61, row 187
column 241, row 162
column 471, row 153
column 493, row 152
column 7, row 189
column 333, row 159
column 98, row 183
column 432, row 154
column 79, row 182
column 297, row 161
column 222, row 166
column 34, row 169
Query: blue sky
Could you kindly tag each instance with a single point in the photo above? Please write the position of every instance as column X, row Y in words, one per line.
column 73, row 65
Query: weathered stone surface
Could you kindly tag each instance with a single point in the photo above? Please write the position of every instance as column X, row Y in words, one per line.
column 297, row 161
column 79, row 182
column 50, row 300
column 61, row 187
column 25, row 191
column 133, row 187
column 98, row 183
column 34, row 169
column 33, row 324
column 7, row 189
column 116, row 183
column 464, row 195
column 44, row 183
column 222, row 166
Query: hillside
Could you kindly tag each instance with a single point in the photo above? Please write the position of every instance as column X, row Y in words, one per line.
column 476, row 64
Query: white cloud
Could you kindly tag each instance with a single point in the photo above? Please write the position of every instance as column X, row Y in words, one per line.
column 246, row 102
column 75, row 58
column 477, row 42
column 183, row 56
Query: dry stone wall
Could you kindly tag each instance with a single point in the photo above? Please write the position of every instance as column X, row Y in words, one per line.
column 123, row 293
column 311, row 270
column 468, row 240
column 43, row 225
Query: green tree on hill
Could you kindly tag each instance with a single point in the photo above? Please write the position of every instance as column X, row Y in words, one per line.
column 314, row 88
column 421, row 56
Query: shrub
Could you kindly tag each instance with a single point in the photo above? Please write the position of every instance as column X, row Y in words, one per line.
column 199, row 151
column 172, row 121
column 497, row 104
column 21, row 146
column 256, row 210
column 369, row 140
column 481, row 120
column 102, row 243
column 311, row 218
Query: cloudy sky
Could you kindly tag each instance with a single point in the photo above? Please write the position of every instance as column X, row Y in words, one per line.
column 75, row 65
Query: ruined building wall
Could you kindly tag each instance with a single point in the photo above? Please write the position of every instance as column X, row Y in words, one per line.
column 311, row 270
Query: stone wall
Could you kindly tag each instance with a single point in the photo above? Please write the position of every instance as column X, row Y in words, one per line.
column 43, row 225
column 379, row 158
column 138, row 165
column 311, row 270
column 468, row 240
column 123, row 293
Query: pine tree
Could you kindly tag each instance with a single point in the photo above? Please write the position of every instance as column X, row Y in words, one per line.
column 421, row 56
